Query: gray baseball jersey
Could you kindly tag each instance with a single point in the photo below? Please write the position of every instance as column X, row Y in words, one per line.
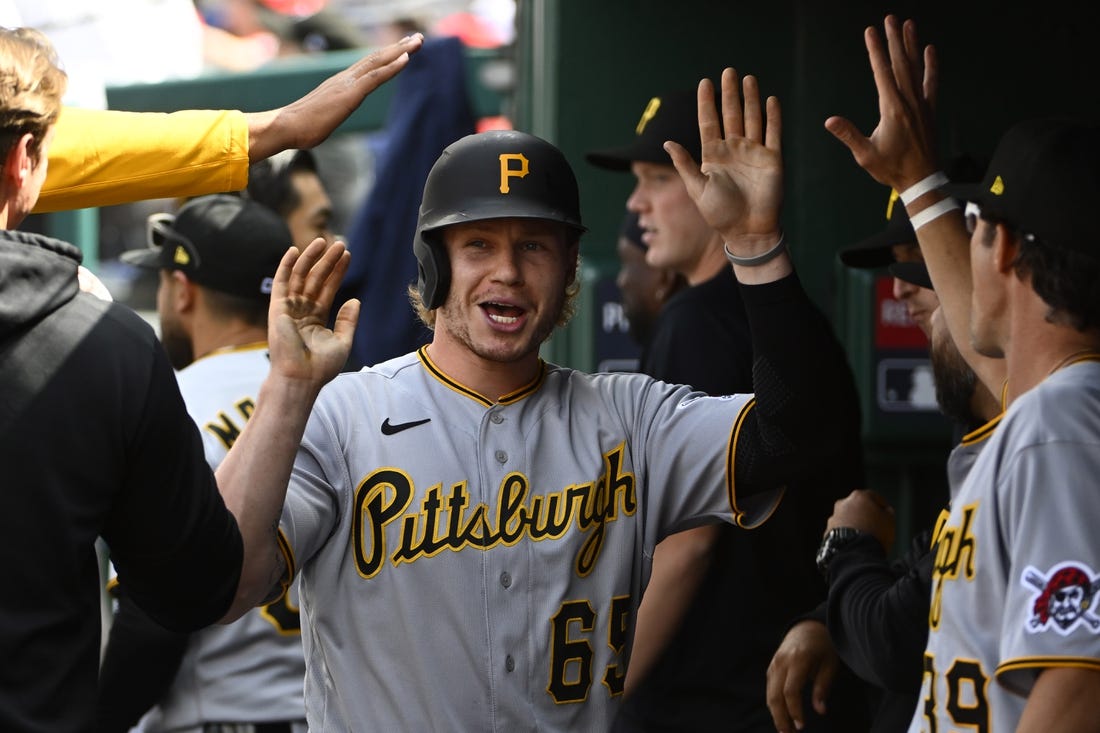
column 1016, row 572
column 471, row 565
column 253, row 669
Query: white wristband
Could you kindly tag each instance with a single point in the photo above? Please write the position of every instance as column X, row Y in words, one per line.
column 759, row 259
column 934, row 211
column 923, row 186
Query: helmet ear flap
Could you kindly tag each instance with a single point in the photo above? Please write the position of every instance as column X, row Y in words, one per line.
column 432, row 268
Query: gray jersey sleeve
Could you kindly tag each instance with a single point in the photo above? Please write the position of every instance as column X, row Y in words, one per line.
column 1053, row 555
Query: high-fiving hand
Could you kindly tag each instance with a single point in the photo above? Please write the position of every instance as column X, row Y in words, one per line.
column 738, row 187
column 902, row 148
column 301, row 345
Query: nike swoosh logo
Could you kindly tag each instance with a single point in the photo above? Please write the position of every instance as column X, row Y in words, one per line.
column 389, row 429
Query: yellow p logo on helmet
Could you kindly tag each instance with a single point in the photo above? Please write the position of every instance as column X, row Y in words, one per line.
column 506, row 170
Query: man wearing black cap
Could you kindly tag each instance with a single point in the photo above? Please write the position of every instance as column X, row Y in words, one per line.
column 897, row 242
column 217, row 257
column 1014, row 641
column 685, row 671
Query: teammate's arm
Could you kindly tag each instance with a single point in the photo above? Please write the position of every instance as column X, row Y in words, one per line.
column 102, row 157
column 1063, row 700
column 738, row 188
column 304, row 356
column 139, row 665
column 900, row 152
column 680, row 563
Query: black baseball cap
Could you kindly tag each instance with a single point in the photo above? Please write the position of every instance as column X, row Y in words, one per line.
column 915, row 273
column 222, row 242
column 673, row 116
column 1043, row 179
column 876, row 251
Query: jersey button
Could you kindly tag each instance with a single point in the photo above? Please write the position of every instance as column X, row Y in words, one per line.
column 501, row 456
column 497, row 418
column 505, row 580
column 509, row 663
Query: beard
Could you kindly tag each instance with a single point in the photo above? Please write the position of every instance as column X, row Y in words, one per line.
column 452, row 317
column 179, row 349
column 955, row 382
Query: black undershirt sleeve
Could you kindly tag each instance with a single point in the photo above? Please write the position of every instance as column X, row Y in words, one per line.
column 139, row 665
column 878, row 611
column 806, row 399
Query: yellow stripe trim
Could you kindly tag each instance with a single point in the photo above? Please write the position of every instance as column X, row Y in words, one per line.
column 506, row 399
column 731, row 455
column 980, row 434
column 254, row 346
column 291, row 566
column 1047, row 663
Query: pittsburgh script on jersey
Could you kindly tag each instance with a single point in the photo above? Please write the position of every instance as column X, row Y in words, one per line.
column 956, row 548
column 448, row 522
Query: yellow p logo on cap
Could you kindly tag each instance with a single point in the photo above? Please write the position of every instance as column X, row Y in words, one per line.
column 180, row 256
column 998, row 186
column 506, row 170
column 648, row 114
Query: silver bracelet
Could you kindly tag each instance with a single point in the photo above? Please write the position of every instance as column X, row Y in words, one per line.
column 779, row 248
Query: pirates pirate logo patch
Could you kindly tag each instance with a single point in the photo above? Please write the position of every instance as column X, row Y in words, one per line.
column 1064, row 598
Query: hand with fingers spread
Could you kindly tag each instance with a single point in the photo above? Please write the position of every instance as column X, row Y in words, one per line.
column 302, row 347
column 308, row 121
column 738, row 186
column 805, row 655
column 902, row 148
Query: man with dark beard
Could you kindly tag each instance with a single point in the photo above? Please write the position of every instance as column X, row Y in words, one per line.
column 875, row 619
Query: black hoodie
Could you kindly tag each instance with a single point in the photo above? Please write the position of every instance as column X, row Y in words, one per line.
column 95, row 441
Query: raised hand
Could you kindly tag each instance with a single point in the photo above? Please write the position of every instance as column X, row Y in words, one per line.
column 738, row 187
column 902, row 148
column 302, row 347
column 308, row 121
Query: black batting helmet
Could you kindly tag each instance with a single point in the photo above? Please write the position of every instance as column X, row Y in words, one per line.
column 491, row 175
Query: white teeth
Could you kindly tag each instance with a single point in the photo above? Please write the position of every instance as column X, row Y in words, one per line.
column 503, row 319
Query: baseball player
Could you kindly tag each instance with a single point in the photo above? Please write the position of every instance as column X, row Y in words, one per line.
column 1013, row 643
column 472, row 525
column 217, row 257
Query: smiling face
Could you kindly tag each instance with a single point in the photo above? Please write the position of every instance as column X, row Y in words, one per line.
column 677, row 235
column 507, row 291
column 919, row 302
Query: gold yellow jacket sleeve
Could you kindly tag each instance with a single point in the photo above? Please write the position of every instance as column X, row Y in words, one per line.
column 102, row 157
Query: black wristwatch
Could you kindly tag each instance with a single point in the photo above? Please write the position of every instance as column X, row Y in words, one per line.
column 834, row 539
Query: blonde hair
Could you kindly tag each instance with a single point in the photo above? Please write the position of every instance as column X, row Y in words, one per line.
column 31, row 86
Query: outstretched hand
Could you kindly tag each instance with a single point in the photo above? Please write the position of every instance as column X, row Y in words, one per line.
column 308, row 121
column 301, row 345
column 738, row 188
column 902, row 148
